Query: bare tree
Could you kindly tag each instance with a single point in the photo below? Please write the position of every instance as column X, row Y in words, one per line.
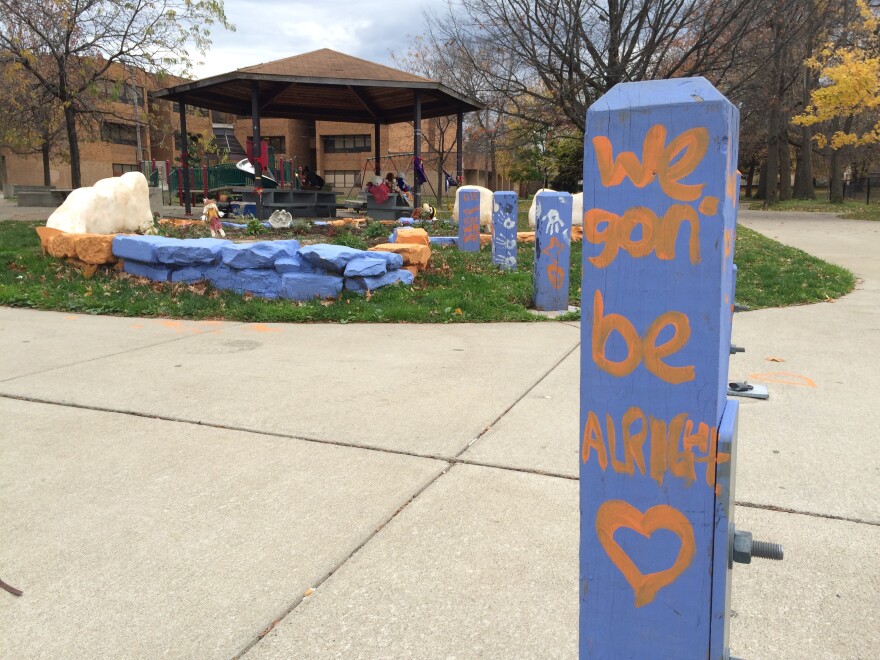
column 566, row 53
column 66, row 46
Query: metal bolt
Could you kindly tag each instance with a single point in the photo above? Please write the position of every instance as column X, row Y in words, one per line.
column 767, row 550
column 744, row 548
column 736, row 349
column 741, row 308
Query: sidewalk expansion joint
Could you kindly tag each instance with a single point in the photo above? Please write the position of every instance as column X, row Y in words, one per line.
column 518, row 399
column 296, row 603
column 451, row 460
column 110, row 355
column 811, row 514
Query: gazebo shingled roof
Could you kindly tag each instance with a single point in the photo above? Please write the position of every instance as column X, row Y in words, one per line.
column 323, row 85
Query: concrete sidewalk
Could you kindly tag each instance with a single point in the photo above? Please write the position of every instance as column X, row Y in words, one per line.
column 216, row 490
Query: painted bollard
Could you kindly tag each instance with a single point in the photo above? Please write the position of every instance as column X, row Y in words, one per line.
column 656, row 433
column 504, row 225
column 552, row 250
column 469, row 220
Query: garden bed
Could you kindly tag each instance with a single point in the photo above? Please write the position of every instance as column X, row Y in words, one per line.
column 456, row 286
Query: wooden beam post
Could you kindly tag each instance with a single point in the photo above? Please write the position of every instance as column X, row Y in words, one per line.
column 417, row 147
column 459, row 148
column 552, row 250
column 656, row 429
column 377, row 127
column 257, row 144
column 184, row 159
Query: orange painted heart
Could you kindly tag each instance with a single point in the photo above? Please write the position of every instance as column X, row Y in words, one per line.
column 614, row 514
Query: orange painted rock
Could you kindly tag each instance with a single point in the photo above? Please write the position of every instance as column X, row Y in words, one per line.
column 577, row 233
column 413, row 255
column 525, row 236
column 95, row 249
column 45, row 234
column 413, row 269
column 62, row 245
column 414, row 235
column 485, row 239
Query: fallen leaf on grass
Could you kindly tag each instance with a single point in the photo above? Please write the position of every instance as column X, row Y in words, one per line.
column 458, row 311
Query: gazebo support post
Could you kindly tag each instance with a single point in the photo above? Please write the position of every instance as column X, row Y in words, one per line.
column 459, row 149
column 184, row 159
column 257, row 145
column 376, row 134
column 417, row 148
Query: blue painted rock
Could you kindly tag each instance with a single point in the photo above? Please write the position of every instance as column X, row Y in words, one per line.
column 294, row 264
column 138, row 248
column 366, row 267
column 191, row 251
column 261, row 282
column 188, row 275
column 333, row 258
column 363, row 284
column 257, row 255
column 444, row 240
column 153, row 272
column 393, row 261
column 306, row 286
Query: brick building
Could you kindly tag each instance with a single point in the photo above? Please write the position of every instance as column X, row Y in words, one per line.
column 340, row 151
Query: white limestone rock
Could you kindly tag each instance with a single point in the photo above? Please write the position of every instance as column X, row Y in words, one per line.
column 115, row 205
column 280, row 219
column 577, row 208
column 486, row 204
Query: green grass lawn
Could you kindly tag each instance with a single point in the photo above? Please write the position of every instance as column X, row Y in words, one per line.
column 457, row 287
column 849, row 210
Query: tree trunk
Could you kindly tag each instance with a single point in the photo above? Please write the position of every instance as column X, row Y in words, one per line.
column 762, row 182
column 835, row 194
column 73, row 139
column 44, row 149
column 440, row 180
column 784, row 167
column 803, row 176
column 494, row 163
column 750, row 177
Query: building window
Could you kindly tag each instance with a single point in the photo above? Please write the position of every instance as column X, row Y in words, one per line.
column 344, row 144
column 121, row 92
column 343, row 179
column 190, row 110
column 121, row 168
column 277, row 144
column 119, row 133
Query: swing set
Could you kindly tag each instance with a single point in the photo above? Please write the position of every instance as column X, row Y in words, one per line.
column 389, row 159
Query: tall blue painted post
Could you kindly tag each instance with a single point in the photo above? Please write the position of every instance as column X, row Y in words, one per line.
column 657, row 435
column 469, row 220
column 505, row 214
column 552, row 250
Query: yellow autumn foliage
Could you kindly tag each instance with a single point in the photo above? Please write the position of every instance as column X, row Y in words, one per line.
column 850, row 79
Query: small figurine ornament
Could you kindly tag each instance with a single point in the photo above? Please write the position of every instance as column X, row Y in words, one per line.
column 211, row 215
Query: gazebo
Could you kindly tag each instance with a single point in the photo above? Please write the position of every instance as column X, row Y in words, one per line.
column 323, row 85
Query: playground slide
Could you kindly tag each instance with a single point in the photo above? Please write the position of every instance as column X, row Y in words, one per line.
column 245, row 166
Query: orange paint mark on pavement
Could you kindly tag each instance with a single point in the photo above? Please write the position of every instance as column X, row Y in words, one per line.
column 785, row 378
column 262, row 327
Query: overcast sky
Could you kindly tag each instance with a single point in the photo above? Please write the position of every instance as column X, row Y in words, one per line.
column 274, row 29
